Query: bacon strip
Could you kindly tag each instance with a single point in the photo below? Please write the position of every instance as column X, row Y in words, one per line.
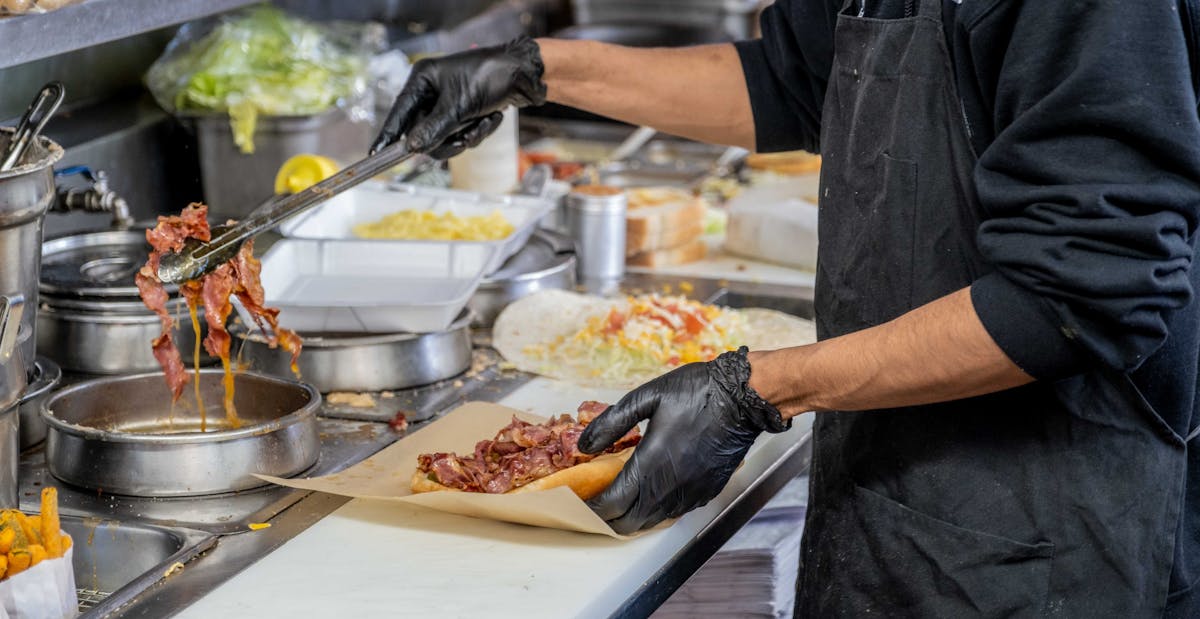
column 520, row 453
column 239, row 276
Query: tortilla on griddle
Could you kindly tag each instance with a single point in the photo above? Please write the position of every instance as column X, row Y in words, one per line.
column 542, row 317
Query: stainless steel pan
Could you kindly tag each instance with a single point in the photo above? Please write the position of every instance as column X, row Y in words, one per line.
column 123, row 435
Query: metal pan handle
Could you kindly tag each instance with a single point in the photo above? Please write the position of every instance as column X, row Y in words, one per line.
column 44, row 105
column 11, row 309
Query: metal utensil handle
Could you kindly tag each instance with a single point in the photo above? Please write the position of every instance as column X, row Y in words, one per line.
column 11, row 308
column 36, row 116
column 632, row 144
column 274, row 212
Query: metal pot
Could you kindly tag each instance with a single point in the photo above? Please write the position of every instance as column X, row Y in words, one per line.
column 123, row 435
column 92, row 318
column 43, row 379
column 104, row 342
column 26, row 192
column 95, row 265
column 12, row 385
column 376, row 362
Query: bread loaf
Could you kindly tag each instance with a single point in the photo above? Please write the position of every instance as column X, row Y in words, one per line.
column 688, row 252
column 662, row 218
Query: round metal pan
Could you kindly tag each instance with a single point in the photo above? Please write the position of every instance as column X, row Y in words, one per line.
column 358, row 362
column 108, row 343
column 122, row 435
column 546, row 262
column 42, row 380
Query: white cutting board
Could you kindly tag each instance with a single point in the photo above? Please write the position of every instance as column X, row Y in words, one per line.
column 374, row 559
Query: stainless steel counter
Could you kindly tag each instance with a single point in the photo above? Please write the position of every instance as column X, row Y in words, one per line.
column 350, row 435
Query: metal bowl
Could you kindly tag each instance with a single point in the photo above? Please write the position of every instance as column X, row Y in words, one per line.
column 123, row 435
column 358, row 362
column 42, row 380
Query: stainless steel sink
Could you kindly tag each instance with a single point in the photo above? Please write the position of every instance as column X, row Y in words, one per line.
column 116, row 561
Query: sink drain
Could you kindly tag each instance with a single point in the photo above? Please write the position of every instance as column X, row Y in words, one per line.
column 89, row 598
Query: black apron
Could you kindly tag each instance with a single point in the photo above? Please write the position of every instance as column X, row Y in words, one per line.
column 1054, row 499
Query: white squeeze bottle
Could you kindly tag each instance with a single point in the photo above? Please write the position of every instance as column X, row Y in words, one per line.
column 492, row 166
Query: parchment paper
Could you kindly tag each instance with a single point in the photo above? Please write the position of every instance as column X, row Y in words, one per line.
column 386, row 475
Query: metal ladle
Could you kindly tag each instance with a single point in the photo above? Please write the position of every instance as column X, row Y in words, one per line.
column 198, row 258
column 44, row 105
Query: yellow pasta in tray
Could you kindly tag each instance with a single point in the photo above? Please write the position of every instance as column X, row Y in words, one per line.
column 415, row 225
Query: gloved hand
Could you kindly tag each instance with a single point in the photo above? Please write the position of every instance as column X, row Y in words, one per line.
column 703, row 419
column 452, row 103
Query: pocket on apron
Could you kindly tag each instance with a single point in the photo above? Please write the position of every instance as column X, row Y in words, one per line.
column 975, row 574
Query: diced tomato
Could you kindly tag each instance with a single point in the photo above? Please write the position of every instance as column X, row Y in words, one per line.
column 673, row 361
column 616, row 322
column 692, row 323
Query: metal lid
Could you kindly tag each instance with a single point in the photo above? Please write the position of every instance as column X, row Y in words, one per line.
column 94, row 264
column 546, row 254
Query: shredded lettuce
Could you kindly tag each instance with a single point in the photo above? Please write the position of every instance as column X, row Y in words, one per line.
column 262, row 61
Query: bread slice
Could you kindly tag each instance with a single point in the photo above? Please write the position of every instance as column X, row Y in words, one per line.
column 688, row 252
column 585, row 480
column 654, row 225
column 788, row 163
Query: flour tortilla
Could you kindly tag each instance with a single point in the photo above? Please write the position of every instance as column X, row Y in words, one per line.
column 542, row 317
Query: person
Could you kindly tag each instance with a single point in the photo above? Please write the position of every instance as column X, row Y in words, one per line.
column 1006, row 377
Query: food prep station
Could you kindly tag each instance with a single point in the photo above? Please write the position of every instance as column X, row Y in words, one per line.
column 166, row 524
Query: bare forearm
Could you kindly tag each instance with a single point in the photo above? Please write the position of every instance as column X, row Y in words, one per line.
column 695, row 92
column 935, row 353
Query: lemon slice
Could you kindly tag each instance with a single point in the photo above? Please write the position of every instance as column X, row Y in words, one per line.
column 303, row 171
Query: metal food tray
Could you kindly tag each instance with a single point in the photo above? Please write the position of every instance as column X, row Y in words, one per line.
column 370, row 202
column 365, row 286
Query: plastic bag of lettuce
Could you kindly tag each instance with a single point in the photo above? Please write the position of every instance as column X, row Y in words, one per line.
column 263, row 61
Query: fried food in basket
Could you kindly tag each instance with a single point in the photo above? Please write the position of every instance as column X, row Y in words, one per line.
column 26, row 541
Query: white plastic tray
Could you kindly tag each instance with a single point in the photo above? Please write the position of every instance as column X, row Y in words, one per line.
column 371, row 286
column 372, row 201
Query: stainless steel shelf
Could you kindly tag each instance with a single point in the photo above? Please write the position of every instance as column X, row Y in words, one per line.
column 33, row 37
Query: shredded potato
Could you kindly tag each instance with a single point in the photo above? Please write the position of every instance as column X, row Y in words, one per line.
column 417, row 225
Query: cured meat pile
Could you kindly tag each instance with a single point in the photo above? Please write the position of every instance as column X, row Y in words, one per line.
column 521, row 453
column 238, row 277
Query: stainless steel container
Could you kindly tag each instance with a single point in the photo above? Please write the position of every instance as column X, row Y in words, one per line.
column 738, row 18
column 358, row 362
column 46, row 375
column 235, row 182
column 546, row 262
column 97, row 341
column 123, row 435
column 12, row 385
column 92, row 319
column 26, row 192
column 596, row 222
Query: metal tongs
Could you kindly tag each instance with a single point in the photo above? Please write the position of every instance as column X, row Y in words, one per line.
column 36, row 116
column 198, row 258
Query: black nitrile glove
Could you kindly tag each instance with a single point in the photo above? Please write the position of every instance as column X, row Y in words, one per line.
column 451, row 103
column 703, row 419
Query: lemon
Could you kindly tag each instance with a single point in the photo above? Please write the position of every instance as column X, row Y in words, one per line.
column 303, row 171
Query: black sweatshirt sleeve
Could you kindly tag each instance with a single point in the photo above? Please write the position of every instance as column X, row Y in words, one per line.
column 787, row 71
column 1091, row 186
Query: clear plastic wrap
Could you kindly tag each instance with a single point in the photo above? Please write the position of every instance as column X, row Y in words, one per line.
column 264, row 61
column 25, row 7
